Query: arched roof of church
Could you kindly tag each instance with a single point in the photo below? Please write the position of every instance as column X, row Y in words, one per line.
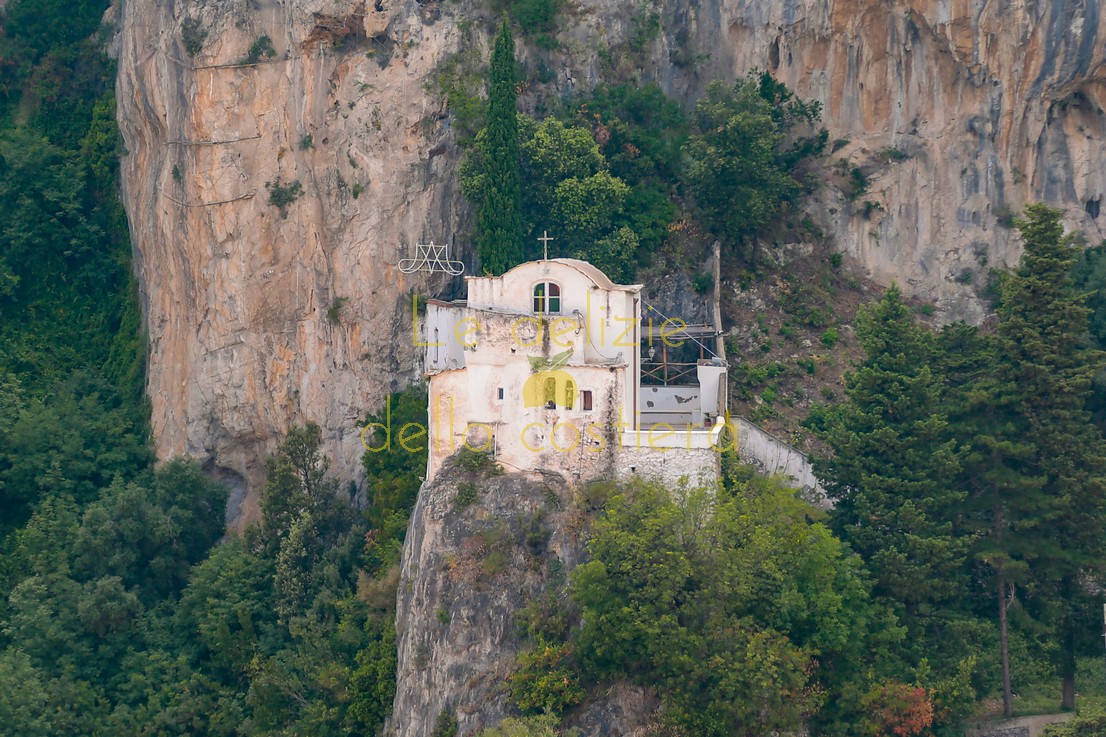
column 589, row 270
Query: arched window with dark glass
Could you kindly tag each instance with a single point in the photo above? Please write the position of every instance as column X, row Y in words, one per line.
column 547, row 298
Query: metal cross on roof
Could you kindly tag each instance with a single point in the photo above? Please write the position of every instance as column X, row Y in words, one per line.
column 545, row 238
column 431, row 258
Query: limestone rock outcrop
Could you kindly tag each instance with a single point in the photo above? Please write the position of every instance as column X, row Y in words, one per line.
column 954, row 113
column 261, row 316
column 468, row 569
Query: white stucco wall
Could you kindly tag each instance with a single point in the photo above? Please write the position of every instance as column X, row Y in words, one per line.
column 486, row 393
column 773, row 456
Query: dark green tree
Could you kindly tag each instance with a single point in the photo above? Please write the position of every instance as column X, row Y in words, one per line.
column 1090, row 278
column 745, row 160
column 1046, row 359
column 893, row 469
column 1004, row 498
column 299, row 482
column 134, row 530
column 499, row 220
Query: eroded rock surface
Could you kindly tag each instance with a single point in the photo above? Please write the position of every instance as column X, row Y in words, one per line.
column 260, row 319
column 956, row 112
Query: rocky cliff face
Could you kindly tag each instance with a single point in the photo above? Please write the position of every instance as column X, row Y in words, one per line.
column 260, row 318
column 469, row 567
column 956, row 112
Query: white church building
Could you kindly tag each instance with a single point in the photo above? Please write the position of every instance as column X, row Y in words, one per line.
column 551, row 367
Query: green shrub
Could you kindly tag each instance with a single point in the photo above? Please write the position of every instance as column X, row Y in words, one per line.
column 262, row 48
column 466, row 494
column 446, row 725
column 830, row 337
column 1089, row 723
column 892, row 154
column 533, row 17
column 547, row 680
column 539, row 726
column 595, row 495
column 544, row 618
column 1005, row 217
column 871, row 206
column 702, row 283
column 858, row 183
column 192, row 35
column 334, row 312
column 282, row 194
column 495, row 563
column 835, row 260
column 478, row 461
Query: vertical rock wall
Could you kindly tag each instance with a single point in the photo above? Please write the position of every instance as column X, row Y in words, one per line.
column 957, row 112
column 259, row 320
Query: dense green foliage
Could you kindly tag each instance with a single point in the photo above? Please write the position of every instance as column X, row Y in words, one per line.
column 1047, row 367
column 121, row 612
column 602, row 175
column 539, row 726
column 1089, row 275
column 499, row 219
column 746, row 615
column 599, row 178
column 128, row 616
column 969, row 475
column 899, row 522
column 747, row 158
column 71, row 355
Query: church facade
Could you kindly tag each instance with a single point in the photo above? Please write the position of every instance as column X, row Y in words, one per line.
column 551, row 367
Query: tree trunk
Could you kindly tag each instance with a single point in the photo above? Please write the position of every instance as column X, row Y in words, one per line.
column 1003, row 630
column 1004, row 648
column 1067, row 649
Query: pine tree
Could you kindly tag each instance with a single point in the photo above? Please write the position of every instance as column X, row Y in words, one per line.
column 499, row 221
column 997, row 470
column 1045, row 356
column 893, row 466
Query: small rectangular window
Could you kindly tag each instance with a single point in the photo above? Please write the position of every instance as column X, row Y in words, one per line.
column 585, row 396
column 499, row 393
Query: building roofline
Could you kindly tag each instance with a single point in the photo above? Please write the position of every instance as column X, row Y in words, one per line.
column 592, row 272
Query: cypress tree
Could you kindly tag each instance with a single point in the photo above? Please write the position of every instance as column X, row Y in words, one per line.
column 1046, row 358
column 894, row 464
column 499, row 221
